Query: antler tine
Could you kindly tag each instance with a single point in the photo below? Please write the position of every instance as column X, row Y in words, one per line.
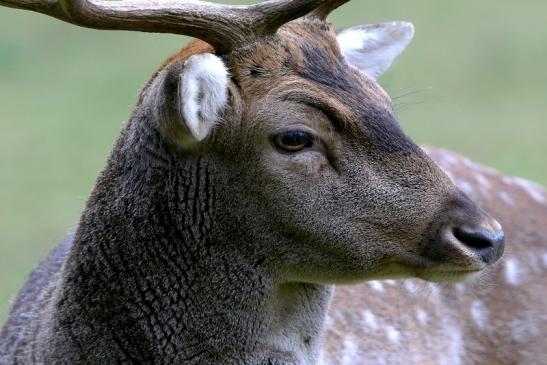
column 223, row 26
column 323, row 11
column 275, row 13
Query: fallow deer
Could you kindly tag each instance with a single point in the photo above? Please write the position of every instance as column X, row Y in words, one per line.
column 257, row 170
column 500, row 320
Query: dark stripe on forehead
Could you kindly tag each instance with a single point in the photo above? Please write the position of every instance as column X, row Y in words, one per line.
column 369, row 117
column 324, row 67
column 386, row 132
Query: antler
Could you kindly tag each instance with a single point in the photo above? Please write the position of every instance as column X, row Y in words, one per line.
column 322, row 11
column 223, row 26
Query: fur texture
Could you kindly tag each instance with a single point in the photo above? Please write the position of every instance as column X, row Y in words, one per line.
column 222, row 251
column 203, row 90
column 500, row 319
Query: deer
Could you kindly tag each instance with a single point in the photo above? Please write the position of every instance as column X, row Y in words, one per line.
column 262, row 165
column 500, row 319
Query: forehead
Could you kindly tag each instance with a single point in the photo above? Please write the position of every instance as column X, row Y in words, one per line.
column 306, row 49
column 304, row 64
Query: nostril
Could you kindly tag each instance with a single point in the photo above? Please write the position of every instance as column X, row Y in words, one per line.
column 476, row 239
column 486, row 243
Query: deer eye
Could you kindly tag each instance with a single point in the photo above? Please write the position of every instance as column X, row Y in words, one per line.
column 293, row 141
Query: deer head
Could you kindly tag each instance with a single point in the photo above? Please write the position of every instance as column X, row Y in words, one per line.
column 302, row 140
column 263, row 155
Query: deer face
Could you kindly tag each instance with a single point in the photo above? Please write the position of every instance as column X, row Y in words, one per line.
column 345, row 193
column 307, row 150
column 318, row 169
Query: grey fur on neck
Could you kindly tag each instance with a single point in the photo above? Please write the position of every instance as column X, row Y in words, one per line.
column 159, row 272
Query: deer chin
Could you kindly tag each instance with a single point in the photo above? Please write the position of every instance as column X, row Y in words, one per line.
column 422, row 268
column 450, row 275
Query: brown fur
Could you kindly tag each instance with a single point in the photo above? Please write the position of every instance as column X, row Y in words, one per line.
column 195, row 47
column 500, row 319
column 222, row 252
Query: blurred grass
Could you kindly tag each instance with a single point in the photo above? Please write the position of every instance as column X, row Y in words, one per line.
column 475, row 81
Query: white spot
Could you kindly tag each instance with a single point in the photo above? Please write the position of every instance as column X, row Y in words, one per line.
column 465, row 186
column 370, row 320
column 338, row 316
column 456, row 349
column 393, row 335
column 328, row 321
column 512, row 272
column 450, row 176
column 421, row 316
column 475, row 166
column 449, row 158
column 523, row 329
column 479, row 313
column 468, row 163
column 390, row 282
column 434, row 290
column 460, row 287
column 534, row 262
column 535, row 191
column 544, row 259
column 532, row 189
column 507, row 180
column 482, row 181
column 350, row 351
column 505, row 197
column 376, row 285
column 322, row 360
column 410, row 286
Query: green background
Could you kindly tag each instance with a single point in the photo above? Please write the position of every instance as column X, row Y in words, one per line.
column 474, row 80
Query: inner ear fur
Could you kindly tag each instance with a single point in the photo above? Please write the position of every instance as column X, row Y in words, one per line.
column 372, row 48
column 187, row 96
column 202, row 93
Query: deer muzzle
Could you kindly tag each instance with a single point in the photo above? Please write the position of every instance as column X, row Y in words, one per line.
column 463, row 237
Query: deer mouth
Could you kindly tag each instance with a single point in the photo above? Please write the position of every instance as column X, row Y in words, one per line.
column 448, row 276
column 431, row 270
column 419, row 267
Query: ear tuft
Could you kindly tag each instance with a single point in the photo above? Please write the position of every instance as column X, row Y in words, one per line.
column 203, row 93
column 372, row 48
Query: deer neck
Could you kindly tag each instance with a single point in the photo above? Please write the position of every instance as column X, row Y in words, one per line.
column 177, row 282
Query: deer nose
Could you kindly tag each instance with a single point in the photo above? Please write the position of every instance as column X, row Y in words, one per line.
column 486, row 241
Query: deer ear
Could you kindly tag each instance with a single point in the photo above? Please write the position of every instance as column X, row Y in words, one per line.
column 203, row 89
column 372, row 48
